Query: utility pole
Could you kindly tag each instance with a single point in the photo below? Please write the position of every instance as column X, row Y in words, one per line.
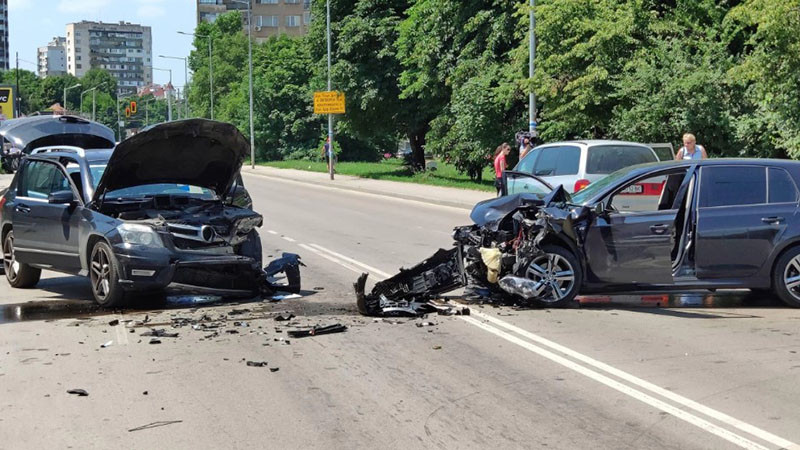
column 185, row 81
column 17, row 94
column 119, row 121
column 65, row 95
column 330, row 116
column 532, row 100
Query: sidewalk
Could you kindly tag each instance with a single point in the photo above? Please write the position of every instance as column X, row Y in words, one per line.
column 458, row 198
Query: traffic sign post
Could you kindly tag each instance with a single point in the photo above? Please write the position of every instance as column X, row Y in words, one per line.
column 330, row 103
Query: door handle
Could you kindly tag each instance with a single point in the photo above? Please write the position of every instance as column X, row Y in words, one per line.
column 22, row 209
column 772, row 220
column 659, row 229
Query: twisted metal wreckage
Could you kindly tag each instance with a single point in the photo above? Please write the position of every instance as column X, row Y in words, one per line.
column 500, row 252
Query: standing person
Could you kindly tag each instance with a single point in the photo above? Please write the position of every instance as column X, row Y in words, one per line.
column 690, row 149
column 525, row 147
column 500, row 165
column 326, row 151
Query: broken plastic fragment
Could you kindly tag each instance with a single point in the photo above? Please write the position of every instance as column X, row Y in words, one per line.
column 316, row 331
column 257, row 363
column 107, row 344
column 78, row 392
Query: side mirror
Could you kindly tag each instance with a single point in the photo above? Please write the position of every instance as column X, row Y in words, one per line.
column 61, row 197
column 600, row 208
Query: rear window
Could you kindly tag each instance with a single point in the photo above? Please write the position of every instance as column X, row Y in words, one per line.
column 733, row 186
column 604, row 159
column 551, row 161
column 781, row 187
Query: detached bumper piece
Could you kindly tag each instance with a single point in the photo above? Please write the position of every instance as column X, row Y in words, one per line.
column 316, row 331
column 288, row 265
column 408, row 293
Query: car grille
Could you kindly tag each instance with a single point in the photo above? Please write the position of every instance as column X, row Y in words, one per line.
column 239, row 276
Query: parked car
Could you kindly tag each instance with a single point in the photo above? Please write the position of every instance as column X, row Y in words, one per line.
column 576, row 164
column 21, row 136
column 158, row 211
column 721, row 223
column 664, row 151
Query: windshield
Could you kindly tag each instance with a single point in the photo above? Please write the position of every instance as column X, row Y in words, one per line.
column 584, row 195
column 147, row 190
column 96, row 171
column 604, row 159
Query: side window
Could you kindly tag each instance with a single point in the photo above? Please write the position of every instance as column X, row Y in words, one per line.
column 40, row 179
column 781, row 187
column 656, row 193
column 604, row 159
column 733, row 186
column 555, row 161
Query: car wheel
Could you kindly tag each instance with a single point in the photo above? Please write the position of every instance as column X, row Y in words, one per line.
column 18, row 275
column 558, row 275
column 105, row 276
column 786, row 277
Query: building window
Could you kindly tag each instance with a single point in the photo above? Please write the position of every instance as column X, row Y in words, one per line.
column 78, row 66
column 267, row 21
column 208, row 2
column 78, row 58
column 267, row 2
column 306, row 18
column 292, row 21
column 292, row 2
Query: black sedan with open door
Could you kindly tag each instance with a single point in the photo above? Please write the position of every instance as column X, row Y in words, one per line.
column 710, row 224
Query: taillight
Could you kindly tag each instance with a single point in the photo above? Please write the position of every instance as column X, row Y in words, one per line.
column 2, row 203
column 580, row 184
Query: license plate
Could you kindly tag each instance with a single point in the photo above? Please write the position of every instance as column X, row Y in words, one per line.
column 633, row 189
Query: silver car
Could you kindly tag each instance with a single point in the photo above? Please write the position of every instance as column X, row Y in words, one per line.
column 576, row 164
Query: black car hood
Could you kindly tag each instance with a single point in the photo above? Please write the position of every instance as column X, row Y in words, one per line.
column 495, row 209
column 28, row 133
column 196, row 152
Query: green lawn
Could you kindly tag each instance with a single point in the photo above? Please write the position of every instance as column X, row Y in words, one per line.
column 393, row 170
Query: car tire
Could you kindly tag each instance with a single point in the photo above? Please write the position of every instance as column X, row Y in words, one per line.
column 104, row 275
column 556, row 260
column 21, row 276
column 786, row 277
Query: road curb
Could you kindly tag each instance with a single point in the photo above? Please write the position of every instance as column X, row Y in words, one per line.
column 451, row 204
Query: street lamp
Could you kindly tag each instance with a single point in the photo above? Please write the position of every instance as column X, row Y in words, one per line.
column 92, row 90
column 169, row 92
column 532, row 56
column 250, row 63
column 185, row 80
column 65, row 95
column 210, row 66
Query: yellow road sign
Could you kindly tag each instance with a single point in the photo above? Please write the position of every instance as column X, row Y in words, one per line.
column 328, row 102
column 6, row 102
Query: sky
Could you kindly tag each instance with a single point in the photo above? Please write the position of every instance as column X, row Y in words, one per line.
column 33, row 23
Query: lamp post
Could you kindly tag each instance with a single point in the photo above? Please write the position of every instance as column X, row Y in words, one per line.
column 330, row 116
column 94, row 99
column 532, row 56
column 185, row 81
column 250, row 64
column 169, row 92
column 65, row 95
column 210, row 67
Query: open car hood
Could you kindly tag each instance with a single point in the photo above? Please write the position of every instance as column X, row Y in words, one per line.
column 196, row 152
column 28, row 133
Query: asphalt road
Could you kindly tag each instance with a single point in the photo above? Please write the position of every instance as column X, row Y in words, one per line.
column 708, row 372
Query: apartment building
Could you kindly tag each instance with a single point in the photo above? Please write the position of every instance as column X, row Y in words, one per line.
column 52, row 58
column 4, row 56
column 270, row 17
column 123, row 49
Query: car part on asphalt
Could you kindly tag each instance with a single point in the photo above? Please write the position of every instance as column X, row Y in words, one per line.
column 78, row 392
column 316, row 331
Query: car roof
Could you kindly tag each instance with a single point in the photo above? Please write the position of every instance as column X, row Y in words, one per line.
column 99, row 155
column 642, row 168
column 594, row 142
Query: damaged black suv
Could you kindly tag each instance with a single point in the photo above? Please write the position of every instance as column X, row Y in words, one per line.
column 670, row 226
column 166, row 208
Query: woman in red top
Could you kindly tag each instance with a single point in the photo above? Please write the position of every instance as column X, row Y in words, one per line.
column 500, row 165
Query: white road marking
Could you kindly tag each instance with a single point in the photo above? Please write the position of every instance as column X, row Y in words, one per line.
column 287, row 238
column 714, row 414
column 352, row 261
column 272, row 232
column 616, row 385
column 332, row 259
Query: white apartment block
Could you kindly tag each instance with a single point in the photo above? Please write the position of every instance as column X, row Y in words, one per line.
column 52, row 58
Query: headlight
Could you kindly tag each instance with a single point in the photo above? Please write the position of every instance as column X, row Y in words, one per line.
column 136, row 234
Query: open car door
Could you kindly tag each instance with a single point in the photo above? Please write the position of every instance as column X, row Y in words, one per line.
column 524, row 183
column 633, row 241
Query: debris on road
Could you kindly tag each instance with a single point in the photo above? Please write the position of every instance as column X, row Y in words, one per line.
column 274, row 369
column 285, row 297
column 159, row 333
column 155, row 341
column 256, row 363
column 78, row 392
column 284, row 317
column 107, row 344
column 156, row 424
column 113, row 323
column 316, row 331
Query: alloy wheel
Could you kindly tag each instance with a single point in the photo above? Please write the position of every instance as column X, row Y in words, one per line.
column 791, row 277
column 554, row 277
column 10, row 263
column 101, row 272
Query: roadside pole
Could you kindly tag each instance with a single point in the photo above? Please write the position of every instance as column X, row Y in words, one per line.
column 119, row 121
column 330, row 116
column 532, row 45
